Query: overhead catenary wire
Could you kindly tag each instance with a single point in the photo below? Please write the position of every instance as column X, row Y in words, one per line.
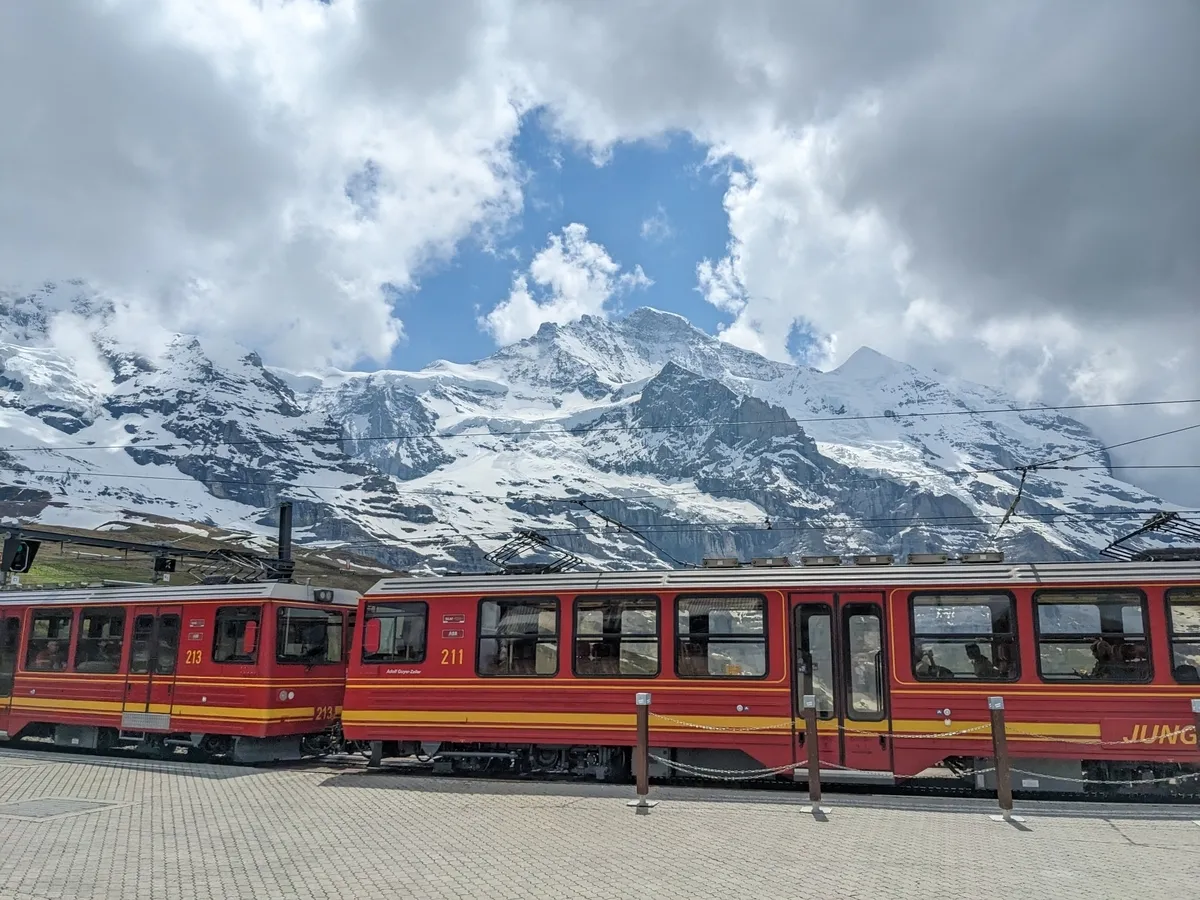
column 884, row 475
column 972, row 521
column 533, row 431
column 749, row 527
column 1025, row 470
column 623, row 527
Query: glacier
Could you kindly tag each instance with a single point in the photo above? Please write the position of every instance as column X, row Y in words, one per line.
column 697, row 447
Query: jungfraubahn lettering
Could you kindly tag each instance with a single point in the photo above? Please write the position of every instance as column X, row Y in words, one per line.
column 1150, row 733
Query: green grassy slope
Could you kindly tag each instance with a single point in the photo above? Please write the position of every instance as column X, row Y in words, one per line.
column 73, row 564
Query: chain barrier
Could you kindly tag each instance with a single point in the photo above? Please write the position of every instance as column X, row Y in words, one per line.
column 1094, row 742
column 723, row 774
column 937, row 734
column 1168, row 779
column 788, row 724
column 752, row 774
column 775, row 727
column 976, row 729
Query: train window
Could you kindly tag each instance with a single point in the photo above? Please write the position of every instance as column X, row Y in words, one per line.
column 167, row 654
column 814, row 657
column 101, row 637
column 518, row 636
column 154, row 649
column 235, row 638
column 401, row 632
column 1183, row 617
column 1092, row 635
column 49, row 641
column 864, row 662
column 308, row 636
column 720, row 637
column 616, row 636
column 10, row 635
column 964, row 637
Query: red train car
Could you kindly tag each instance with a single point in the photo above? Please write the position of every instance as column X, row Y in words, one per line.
column 1096, row 662
column 249, row 672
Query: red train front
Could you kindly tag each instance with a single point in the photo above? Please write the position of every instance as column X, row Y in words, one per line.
column 1097, row 665
column 248, row 672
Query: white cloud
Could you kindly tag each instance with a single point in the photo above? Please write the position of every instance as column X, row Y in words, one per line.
column 193, row 158
column 991, row 189
column 71, row 335
column 657, row 227
column 576, row 276
column 984, row 188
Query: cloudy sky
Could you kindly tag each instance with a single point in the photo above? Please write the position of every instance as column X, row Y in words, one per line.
column 1009, row 191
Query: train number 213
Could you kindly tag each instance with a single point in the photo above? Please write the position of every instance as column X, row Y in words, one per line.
column 452, row 657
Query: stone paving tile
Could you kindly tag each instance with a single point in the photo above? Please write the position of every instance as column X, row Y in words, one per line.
column 226, row 833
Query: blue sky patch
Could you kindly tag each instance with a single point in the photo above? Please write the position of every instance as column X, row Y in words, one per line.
column 651, row 204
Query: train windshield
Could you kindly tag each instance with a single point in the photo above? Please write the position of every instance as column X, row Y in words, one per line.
column 308, row 636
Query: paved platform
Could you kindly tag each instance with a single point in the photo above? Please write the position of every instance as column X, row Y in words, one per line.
column 79, row 827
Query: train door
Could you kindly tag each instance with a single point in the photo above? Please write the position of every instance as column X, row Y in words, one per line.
column 10, row 644
column 838, row 654
column 153, row 659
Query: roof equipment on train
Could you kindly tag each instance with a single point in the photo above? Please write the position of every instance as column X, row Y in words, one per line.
column 1131, row 547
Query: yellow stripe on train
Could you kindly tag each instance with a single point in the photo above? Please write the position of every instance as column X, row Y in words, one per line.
column 245, row 714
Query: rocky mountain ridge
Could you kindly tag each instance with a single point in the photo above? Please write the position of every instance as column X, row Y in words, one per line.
column 699, row 447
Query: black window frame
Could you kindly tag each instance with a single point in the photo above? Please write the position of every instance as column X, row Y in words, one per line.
column 331, row 617
column 145, row 647
column 518, row 600
column 1014, row 636
column 351, row 623
column 1174, row 637
column 8, row 632
column 802, row 615
column 48, row 612
column 1087, row 638
column 867, row 609
column 706, row 638
column 379, row 659
column 82, row 641
column 619, row 637
column 238, row 659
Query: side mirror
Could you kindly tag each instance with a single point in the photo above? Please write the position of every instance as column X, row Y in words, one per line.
column 372, row 636
column 249, row 638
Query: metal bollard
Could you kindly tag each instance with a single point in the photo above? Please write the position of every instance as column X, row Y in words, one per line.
column 641, row 754
column 376, row 759
column 814, row 749
column 1003, row 768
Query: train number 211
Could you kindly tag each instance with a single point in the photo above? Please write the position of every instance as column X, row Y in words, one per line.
column 452, row 657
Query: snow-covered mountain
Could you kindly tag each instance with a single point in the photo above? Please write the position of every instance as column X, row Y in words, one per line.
column 701, row 447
